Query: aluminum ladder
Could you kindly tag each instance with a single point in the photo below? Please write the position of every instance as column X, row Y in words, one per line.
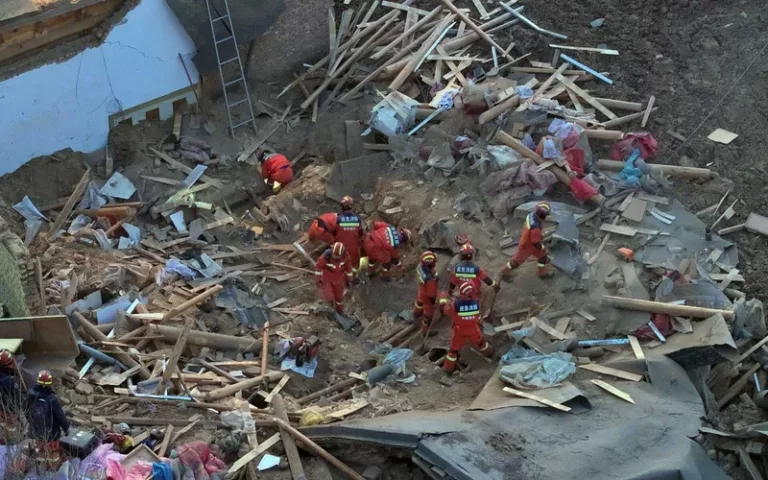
column 226, row 21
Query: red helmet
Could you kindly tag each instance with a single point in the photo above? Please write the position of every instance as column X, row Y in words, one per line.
column 406, row 235
column 461, row 238
column 467, row 252
column 45, row 378
column 466, row 290
column 337, row 250
column 429, row 259
column 347, row 202
column 543, row 209
column 6, row 358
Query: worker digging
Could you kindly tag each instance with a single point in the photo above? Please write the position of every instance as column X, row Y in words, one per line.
column 306, row 236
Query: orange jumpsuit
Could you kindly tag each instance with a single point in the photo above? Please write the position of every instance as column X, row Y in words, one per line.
column 381, row 245
column 333, row 276
column 350, row 233
column 424, row 308
column 530, row 245
column 324, row 228
column 277, row 168
column 465, row 314
column 466, row 271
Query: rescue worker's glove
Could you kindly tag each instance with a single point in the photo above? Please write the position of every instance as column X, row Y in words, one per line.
column 496, row 286
column 364, row 262
column 276, row 187
column 444, row 299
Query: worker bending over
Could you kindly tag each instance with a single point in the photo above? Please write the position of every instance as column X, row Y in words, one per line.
column 467, row 271
column 47, row 421
column 10, row 398
column 382, row 248
column 530, row 243
column 424, row 309
column 345, row 227
column 275, row 169
column 333, row 271
column 465, row 315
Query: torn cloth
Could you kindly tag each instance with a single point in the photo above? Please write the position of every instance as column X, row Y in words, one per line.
column 512, row 186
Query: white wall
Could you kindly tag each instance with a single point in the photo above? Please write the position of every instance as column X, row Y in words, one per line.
column 68, row 104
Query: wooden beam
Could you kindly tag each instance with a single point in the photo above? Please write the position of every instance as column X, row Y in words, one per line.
column 586, row 96
column 178, row 349
column 613, row 390
column 668, row 308
column 70, row 205
column 614, row 372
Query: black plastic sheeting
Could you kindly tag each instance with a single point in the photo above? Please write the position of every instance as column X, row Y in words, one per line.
column 650, row 440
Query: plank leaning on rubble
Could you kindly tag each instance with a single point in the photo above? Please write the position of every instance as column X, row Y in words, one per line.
column 410, row 67
column 294, row 460
column 70, row 205
column 124, row 357
column 205, row 178
column 469, row 23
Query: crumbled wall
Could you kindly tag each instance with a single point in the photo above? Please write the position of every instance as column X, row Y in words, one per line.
column 18, row 290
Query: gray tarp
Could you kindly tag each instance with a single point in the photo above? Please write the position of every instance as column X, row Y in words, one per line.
column 614, row 440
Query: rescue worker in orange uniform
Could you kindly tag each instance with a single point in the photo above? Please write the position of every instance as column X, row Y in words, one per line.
column 467, row 271
column 333, row 271
column 382, row 248
column 345, row 227
column 465, row 314
column 10, row 398
column 47, row 421
column 530, row 243
column 275, row 169
column 424, row 309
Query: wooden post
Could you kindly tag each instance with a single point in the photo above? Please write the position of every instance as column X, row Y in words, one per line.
column 517, row 145
column 333, row 388
column 319, row 451
column 191, row 303
column 240, row 386
column 415, row 27
column 264, row 349
column 672, row 170
column 294, row 460
column 178, row 349
column 468, row 22
column 97, row 335
column 216, row 341
column 216, row 369
column 416, row 59
column 668, row 308
column 166, row 441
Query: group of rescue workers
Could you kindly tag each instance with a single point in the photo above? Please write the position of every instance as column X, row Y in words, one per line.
column 351, row 249
column 39, row 407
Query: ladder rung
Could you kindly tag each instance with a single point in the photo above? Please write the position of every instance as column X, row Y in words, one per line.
column 240, row 79
column 241, row 124
column 219, row 18
column 228, row 61
column 238, row 102
column 224, row 39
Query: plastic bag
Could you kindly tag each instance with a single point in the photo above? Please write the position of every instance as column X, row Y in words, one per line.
column 505, row 156
column 398, row 357
column 538, row 371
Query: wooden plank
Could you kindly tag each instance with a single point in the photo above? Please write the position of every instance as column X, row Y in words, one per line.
column 728, row 279
column 562, row 324
column 481, row 9
column 70, row 205
column 636, row 210
column 613, row 390
column 719, row 277
column 757, row 224
column 277, row 389
column 537, row 398
column 166, row 441
column 648, row 110
column 653, row 198
column 636, row 348
column 752, row 350
column 603, row 51
column 586, row 315
column 748, row 464
column 586, row 96
column 630, row 231
column 404, row 8
column 625, row 204
column 205, row 178
column 250, row 456
column 602, row 369
column 547, row 329
column 509, row 326
column 738, row 386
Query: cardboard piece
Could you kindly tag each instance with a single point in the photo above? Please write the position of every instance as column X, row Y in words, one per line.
column 757, row 224
column 492, row 396
column 49, row 343
column 709, row 344
column 722, row 136
column 636, row 210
